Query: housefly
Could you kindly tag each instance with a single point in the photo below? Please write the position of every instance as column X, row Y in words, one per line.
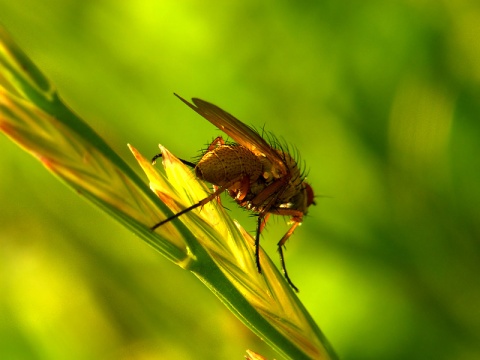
column 260, row 177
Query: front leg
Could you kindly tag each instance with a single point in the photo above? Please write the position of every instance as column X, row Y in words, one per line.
column 281, row 244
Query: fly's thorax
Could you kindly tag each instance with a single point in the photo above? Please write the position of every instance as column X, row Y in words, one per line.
column 270, row 171
column 226, row 163
column 294, row 195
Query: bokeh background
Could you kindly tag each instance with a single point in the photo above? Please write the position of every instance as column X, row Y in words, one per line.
column 381, row 99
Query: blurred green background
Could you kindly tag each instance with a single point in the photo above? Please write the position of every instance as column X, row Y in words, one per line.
column 382, row 100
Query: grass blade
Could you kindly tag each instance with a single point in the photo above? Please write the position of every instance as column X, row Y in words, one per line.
column 204, row 241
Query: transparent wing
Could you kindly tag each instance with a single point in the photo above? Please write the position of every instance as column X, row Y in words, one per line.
column 238, row 131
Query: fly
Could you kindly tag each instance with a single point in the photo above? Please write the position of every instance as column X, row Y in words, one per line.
column 258, row 176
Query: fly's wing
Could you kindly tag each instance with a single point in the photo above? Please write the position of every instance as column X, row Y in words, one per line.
column 238, row 131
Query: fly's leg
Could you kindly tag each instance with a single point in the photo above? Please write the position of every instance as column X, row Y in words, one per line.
column 280, row 244
column 188, row 163
column 297, row 217
column 218, row 141
column 262, row 221
column 209, row 198
column 268, row 195
column 257, row 244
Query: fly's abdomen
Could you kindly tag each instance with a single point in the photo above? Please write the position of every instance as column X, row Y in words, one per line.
column 226, row 163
